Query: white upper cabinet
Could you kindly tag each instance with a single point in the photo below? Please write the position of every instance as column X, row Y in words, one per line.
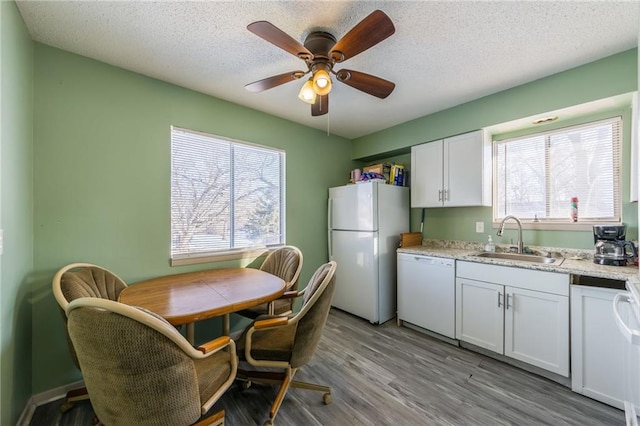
column 452, row 172
column 427, row 171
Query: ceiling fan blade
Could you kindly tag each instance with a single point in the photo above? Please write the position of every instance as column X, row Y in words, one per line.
column 367, row 33
column 321, row 106
column 276, row 36
column 276, row 80
column 367, row 83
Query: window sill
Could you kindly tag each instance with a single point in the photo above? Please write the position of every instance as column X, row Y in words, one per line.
column 553, row 226
column 194, row 259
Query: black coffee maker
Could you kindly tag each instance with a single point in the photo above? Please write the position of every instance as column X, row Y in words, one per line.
column 611, row 247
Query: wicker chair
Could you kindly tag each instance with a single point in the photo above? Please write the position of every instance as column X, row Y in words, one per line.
column 140, row 370
column 286, row 263
column 287, row 343
column 82, row 280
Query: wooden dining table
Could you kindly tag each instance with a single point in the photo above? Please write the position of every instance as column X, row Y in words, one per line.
column 194, row 296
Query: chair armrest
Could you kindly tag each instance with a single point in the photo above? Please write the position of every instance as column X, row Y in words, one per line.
column 271, row 322
column 214, row 345
column 290, row 294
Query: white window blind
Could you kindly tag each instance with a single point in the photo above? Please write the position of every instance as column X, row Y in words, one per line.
column 225, row 195
column 537, row 175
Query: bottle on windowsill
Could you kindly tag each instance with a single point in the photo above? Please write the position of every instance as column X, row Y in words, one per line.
column 574, row 209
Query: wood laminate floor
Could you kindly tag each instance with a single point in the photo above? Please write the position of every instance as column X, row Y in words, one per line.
column 389, row 375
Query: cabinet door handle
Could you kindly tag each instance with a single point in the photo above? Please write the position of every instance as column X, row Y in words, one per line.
column 499, row 300
column 446, row 195
column 440, row 195
column 507, row 305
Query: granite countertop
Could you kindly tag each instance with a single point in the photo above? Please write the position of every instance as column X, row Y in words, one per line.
column 577, row 262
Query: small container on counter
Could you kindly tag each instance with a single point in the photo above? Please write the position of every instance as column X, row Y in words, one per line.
column 490, row 246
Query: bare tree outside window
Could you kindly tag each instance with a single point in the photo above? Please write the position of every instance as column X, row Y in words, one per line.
column 537, row 175
column 225, row 194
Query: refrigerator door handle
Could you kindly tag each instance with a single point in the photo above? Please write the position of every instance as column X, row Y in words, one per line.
column 329, row 208
column 330, row 241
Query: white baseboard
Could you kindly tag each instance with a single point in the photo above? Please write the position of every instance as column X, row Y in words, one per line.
column 44, row 398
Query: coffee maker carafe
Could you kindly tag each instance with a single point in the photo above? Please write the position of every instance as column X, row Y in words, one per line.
column 611, row 247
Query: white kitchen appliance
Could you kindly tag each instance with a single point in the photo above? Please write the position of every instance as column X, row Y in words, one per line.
column 598, row 349
column 427, row 293
column 630, row 328
column 365, row 222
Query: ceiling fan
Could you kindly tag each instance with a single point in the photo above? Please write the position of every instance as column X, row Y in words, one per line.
column 321, row 52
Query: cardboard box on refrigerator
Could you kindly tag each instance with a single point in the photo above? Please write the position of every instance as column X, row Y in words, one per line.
column 382, row 168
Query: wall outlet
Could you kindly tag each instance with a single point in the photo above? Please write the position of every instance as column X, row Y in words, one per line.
column 479, row 227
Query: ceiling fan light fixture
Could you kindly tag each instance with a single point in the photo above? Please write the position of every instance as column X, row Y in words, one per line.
column 321, row 82
column 320, row 52
column 307, row 93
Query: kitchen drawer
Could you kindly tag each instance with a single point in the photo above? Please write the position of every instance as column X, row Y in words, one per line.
column 530, row 279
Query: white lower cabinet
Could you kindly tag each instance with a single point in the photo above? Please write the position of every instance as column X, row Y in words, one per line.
column 597, row 346
column 520, row 313
column 479, row 314
column 536, row 329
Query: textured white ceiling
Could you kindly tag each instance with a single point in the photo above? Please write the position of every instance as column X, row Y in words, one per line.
column 443, row 53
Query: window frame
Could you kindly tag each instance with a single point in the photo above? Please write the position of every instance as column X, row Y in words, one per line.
column 250, row 252
column 557, row 223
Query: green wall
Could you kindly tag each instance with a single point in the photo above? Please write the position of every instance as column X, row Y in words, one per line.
column 84, row 176
column 16, row 212
column 102, row 173
column 614, row 75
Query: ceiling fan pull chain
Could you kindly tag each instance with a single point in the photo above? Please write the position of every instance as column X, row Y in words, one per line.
column 328, row 119
column 328, row 125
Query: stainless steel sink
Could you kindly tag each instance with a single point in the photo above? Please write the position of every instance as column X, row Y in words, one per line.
column 523, row 257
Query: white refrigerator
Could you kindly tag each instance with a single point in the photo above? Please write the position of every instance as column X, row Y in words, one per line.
column 365, row 223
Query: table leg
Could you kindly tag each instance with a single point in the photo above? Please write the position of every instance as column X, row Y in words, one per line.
column 225, row 325
column 191, row 333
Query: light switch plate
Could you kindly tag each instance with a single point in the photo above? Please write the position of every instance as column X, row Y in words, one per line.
column 479, row 227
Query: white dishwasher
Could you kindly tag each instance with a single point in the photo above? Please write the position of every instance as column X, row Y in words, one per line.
column 427, row 293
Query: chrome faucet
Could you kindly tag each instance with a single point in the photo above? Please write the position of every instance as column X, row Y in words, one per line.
column 501, row 230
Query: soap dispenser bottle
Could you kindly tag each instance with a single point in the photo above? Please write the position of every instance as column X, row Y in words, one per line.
column 490, row 246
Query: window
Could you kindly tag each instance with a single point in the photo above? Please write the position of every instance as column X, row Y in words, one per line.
column 225, row 195
column 537, row 175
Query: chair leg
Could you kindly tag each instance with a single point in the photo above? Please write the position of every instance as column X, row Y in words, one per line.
column 276, row 378
column 281, row 393
column 285, row 380
column 326, row 397
column 310, row 386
